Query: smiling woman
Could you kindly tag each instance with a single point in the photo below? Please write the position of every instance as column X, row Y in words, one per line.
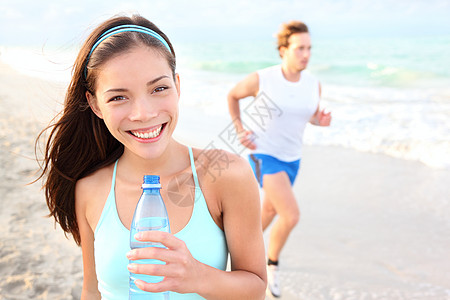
column 138, row 108
column 121, row 109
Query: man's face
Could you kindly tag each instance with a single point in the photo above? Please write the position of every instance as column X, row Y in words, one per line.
column 297, row 54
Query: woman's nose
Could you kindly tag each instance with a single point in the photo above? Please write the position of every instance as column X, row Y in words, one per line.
column 142, row 110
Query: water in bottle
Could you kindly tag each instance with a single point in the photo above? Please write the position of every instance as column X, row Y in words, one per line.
column 150, row 214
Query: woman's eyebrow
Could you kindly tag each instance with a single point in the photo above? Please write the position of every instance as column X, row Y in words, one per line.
column 153, row 81
column 157, row 79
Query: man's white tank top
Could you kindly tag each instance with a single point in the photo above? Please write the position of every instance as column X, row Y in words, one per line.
column 280, row 112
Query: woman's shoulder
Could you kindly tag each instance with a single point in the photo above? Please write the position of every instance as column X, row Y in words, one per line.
column 220, row 167
column 228, row 180
column 95, row 184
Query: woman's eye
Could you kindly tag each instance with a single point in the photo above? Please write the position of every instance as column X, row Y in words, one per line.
column 117, row 98
column 160, row 89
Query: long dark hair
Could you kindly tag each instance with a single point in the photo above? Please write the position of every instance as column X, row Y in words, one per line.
column 79, row 143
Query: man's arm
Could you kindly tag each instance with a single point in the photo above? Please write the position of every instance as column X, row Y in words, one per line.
column 320, row 117
column 245, row 88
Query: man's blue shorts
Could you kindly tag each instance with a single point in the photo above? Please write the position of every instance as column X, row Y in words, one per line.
column 265, row 164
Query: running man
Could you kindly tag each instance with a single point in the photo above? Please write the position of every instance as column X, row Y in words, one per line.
column 277, row 146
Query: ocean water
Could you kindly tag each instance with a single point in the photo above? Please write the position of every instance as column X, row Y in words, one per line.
column 386, row 95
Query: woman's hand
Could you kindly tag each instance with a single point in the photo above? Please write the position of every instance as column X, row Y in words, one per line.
column 182, row 273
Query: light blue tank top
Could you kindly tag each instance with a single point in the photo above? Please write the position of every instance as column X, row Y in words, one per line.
column 204, row 239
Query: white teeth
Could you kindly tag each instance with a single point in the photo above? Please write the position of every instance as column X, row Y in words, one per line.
column 147, row 135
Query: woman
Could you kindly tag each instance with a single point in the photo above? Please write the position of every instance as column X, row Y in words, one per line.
column 120, row 111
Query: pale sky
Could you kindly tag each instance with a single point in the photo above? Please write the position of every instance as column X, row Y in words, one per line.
column 68, row 22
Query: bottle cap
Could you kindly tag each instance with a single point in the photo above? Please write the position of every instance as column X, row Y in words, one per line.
column 151, row 181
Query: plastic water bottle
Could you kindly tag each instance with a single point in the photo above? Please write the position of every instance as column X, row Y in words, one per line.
column 150, row 214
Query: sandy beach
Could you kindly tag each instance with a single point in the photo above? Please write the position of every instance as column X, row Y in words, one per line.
column 372, row 226
column 36, row 261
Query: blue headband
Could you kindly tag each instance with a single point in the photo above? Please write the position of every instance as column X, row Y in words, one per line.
column 124, row 28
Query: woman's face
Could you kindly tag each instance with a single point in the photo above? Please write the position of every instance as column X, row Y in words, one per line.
column 137, row 97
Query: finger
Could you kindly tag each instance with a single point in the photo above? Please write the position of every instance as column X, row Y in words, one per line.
column 250, row 140
column 154, row 252
column 168, row 270
column 160, row 254
column 244, row 134
column 165, row 238
column 167, row 284
column 325, row 117
column 153, row 268
column 152, row 287
column 172, row 267
column 154, row 236
column 251, row 146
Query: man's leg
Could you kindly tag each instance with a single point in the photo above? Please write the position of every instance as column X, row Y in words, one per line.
column 278, row 199
column 268, row 212
column 278, row 191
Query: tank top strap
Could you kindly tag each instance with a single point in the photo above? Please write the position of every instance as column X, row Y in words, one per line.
column 194, row 171
column 110, row 204
column 113, row 183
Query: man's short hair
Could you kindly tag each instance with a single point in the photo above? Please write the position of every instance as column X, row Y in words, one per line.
column 288, row 29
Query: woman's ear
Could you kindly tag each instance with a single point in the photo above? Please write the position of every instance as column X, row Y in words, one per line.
column 93, row 104
column 177, row 83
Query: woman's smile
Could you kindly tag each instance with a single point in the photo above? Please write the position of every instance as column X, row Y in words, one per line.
column 150, row 134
